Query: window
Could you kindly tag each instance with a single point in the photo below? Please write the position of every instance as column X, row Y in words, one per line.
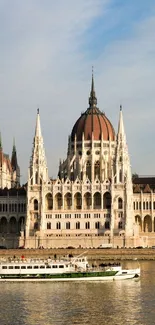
column 120, row 203
column 17, row 267
column 61, row 266
column 11, row 267
column 49, row 225
column 87, row 225
column 42, row 266
column 97, row 225
column 23, row 267
column 4, row 267
column 120, row 225
column 29, row 267
column 78, row 225
column 35, row 267
column 68, row 225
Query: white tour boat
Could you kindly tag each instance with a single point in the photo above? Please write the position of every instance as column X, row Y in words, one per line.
column 66, row 269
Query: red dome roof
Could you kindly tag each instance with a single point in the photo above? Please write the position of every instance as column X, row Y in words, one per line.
column 93, row 121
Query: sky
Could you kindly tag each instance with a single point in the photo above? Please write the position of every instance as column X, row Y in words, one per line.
column 47, row 49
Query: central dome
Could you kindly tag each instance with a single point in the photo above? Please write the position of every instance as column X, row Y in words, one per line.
column 93, row 121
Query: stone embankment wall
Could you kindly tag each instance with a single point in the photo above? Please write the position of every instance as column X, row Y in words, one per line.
column 92, row 254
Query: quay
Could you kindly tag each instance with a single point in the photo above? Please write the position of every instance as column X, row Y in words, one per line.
column 123, row 254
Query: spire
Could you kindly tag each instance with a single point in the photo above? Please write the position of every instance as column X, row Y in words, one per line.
column 38, row 127
column 92, row 98
column 121, row 133
column 14, row 162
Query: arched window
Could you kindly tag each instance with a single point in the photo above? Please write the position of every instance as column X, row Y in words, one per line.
column 77, row 225
column 88, row 170
column 120, row 203
column 120, row 176
column 68, row 225
column 87, row 225
column 35, row 204
column 49, row 201
column 36, row 178
column 97, row 169
column 48, row 225
column 97, row 225
column 120, row 225
column 107, row 225
column 58, row 225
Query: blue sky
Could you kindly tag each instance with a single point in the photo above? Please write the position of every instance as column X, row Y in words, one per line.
column 46, row 54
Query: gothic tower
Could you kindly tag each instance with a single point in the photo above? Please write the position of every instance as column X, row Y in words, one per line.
column 15, row 167
column 37, row 178
column 122, row 186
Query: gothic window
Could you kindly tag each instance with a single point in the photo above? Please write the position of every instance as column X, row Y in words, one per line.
column 107, row 225
column 134, row 205
column 107, row 200
column 87, row 225
column 143, row 205
column 35, row 204
column 36, row 178
column 120, row 176
column 49, row 201
column 58, row 225
column 49, row 225
column 88, row 170
column 78, row 225
column 147, row 205
column 120, row 225
column 137, row 205
column 120, row 203
column 97, row 225
column 97, row 169
column 13, row 225
column 68, row 225
column 97, row 200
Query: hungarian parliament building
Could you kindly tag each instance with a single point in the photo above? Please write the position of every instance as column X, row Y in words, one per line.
column 95, row 200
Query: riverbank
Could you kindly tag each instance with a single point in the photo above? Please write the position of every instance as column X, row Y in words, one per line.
column 93, row 254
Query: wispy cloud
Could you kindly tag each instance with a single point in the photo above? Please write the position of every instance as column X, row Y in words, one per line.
column 47, row 49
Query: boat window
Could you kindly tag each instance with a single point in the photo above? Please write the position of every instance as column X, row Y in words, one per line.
column 35, row 267
column 11, row 267
column 4, row 267
column 54, row 266
column 23, row 267
column 48, row 266
column 29, row 267
column 61, row 266
column 83, row 260
column 66, row 265
column 124, row 272
column 17, row 267
column 42, row 266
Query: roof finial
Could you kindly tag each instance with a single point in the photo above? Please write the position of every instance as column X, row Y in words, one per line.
column 92, row 98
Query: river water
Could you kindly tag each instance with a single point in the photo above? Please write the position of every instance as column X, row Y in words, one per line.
column 115, row 302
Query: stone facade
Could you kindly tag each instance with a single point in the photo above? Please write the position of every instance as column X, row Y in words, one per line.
column 93, row 201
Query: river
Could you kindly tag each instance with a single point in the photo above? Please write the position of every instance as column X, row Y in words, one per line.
column 115, row 302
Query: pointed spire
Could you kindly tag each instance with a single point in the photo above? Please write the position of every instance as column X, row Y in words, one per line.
column 14, row 162
column 38, row 127
column 92, row 98
column 121, row 132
